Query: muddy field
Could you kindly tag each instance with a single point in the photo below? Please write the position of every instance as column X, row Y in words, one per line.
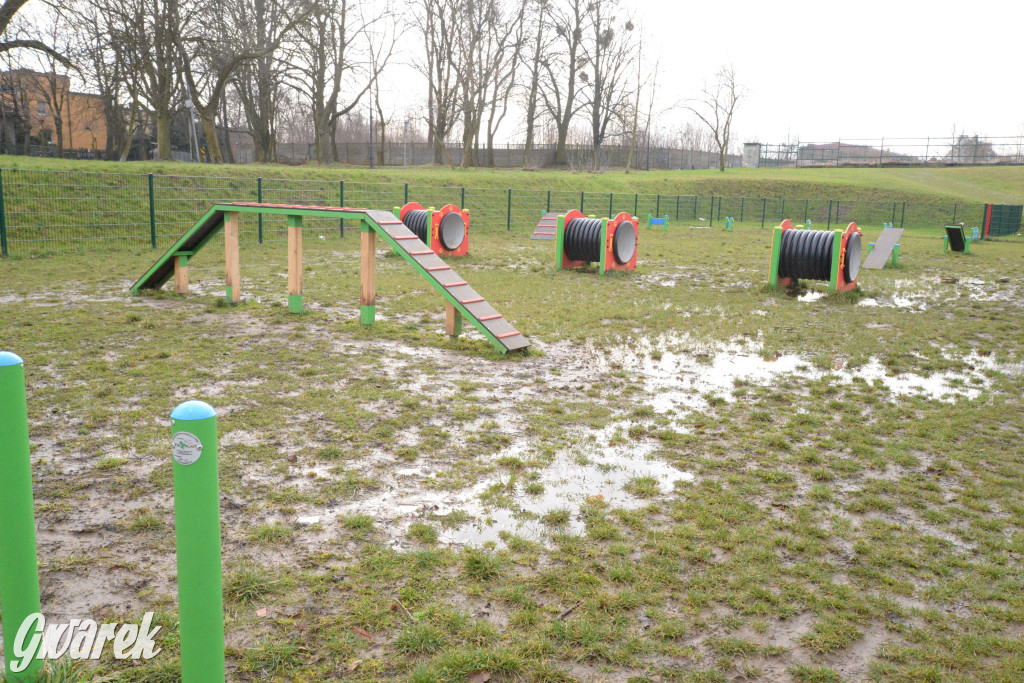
column 688, row 477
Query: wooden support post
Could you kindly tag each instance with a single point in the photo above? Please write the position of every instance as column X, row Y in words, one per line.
column 453, row 321
column 181, row 274
column 295, row 264
column 368, row 275
column 234, row 277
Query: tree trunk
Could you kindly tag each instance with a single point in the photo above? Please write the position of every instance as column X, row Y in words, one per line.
column 163, row 135
column 212, row 143
column 563, row 135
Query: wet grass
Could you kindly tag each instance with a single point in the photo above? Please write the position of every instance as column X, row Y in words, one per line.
column 833, row 531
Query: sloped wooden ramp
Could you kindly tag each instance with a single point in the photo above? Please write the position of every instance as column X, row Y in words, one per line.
column 462, row 300
column 545, row 229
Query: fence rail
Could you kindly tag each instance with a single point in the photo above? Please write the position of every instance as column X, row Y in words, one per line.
column 63, row 211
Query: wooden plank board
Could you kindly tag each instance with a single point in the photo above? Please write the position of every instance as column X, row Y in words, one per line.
column 882, row 250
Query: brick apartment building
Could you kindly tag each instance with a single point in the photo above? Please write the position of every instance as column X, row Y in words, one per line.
column 30, row 103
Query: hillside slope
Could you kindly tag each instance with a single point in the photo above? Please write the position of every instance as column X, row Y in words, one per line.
column 1001, row 184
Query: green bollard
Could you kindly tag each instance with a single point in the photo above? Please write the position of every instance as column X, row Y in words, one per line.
column 895, row 255
column 19, row 569
column 197, row 535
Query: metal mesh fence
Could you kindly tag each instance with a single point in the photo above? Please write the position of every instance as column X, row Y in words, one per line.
column 62, row 211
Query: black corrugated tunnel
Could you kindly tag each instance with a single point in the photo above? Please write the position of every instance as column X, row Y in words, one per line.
column 583, row 239
column 417, row 221
column 807, row 255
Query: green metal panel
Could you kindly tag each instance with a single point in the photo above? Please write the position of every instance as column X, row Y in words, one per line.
column 604, row 241
column 1005, row 220
column 559, row 240
column 837, row 245
column 773, row 268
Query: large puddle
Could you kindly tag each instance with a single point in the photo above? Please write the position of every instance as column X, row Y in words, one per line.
column 678, row 379
column 544, row 494
column 606, row 465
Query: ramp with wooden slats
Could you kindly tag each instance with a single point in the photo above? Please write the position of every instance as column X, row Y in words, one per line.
column 466, row 300
column 545, row 229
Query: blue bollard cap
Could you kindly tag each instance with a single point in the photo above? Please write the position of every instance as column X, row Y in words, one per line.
column 193, row 410
column 8, row 358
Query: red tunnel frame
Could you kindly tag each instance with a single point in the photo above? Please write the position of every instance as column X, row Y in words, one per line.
column 615, row 224
column 435, row 225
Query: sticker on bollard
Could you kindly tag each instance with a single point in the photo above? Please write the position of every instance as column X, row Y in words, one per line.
column 186, row 448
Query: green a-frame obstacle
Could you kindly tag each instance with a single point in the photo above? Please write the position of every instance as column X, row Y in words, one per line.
column 461, row 299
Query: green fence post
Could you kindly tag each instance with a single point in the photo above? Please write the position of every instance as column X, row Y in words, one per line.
column 806, row 204
column 407, row 194
column 259, row 216
column 657, row 208
column 694, row 207
column 764, row 209
column 152, row 214
column 19, row 569
column 508, row 225
column 636, row 203
column 677, row 207
column 341, row 202
column 197, row 536
column 581, row 202
column 549, row 202
column 903, row 214
column 743, row 202
column 463, row 204
column 3, row 219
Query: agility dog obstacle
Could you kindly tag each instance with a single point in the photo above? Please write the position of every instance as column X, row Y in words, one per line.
column 461, row 299
column 832, row 256
column 444, row 231
column 609, row 242
column 545, row 229
column 957, row 239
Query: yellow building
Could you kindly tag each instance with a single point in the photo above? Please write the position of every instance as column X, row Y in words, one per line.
column 32, row 102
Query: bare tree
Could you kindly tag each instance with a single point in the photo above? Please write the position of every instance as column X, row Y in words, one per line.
column 144, row 34
column 559, row 84
column 330, row 53
column 438, row 21
column 610, row 56
column 259, row 81
column 716, row 107
column 7, row 12
column 489, row 51
column 539, row 45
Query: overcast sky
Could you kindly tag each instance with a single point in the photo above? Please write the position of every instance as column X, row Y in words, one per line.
column 819, row 71
column 823, row 70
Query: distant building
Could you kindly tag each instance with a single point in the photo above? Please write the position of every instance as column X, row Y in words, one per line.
column 30, row 105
